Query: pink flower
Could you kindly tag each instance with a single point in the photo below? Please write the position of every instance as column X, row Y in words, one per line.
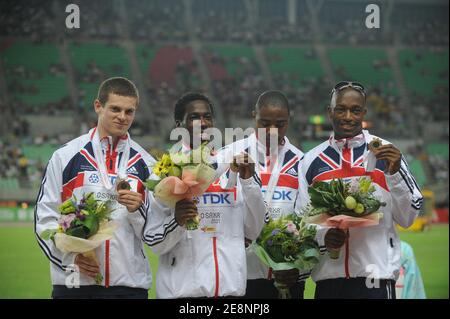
column 66, row 220
column 291, row 228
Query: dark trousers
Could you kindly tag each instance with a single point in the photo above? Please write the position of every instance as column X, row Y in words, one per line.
column 265, row 289
column 98, row 292
column 354, row 288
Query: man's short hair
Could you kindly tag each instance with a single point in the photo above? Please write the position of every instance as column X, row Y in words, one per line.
column 180, row 105
column 272, row 98
column 343, row 85
column 117, row 85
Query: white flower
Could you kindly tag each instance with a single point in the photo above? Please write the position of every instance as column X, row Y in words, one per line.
column 291, row 228
column 354, row 186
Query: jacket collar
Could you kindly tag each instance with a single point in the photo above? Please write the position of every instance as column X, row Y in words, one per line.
column 107, row 141
column 261, row 148
column 350, row 142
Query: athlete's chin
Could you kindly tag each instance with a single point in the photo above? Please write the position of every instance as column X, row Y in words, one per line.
column 348, row 132
column 120, row 132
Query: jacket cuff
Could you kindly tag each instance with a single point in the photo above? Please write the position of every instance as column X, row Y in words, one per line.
column 231, row 180
column 394, row 180
column 137, row 214
column 247, row 182
column 68, row 259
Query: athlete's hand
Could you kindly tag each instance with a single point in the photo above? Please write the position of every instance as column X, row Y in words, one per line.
column 391, row 155
column 87, row 265
column 286, row 277
column 185, row 209
column 335, row 238
column 132, row 200
column 245, row 164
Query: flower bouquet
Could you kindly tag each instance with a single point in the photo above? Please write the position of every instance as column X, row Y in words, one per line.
column 82, row 227
column 182, row 176
column 287, row 243
column 343, row 205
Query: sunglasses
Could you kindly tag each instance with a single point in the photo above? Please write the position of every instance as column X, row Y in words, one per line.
column 346, row 84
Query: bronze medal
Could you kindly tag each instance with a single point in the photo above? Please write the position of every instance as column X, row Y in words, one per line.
column 123, row 184
column 374, row 144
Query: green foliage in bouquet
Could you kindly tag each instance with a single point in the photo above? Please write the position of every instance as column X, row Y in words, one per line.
column 288, row 240
column 80, row 220
column 336, row 197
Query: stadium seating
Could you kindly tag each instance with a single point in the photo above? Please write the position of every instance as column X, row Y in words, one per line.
column 228, row 35
column 145, row 55
column 9, row 183
column 366, row 65
column 28, row 69
column 295, row 62
column 439, row 149
column 424, row 71
column 232, row 54
column 95, row 61
column 416, row 167
column 39, row 152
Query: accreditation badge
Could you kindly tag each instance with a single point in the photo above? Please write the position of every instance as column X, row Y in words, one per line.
column 211, row 220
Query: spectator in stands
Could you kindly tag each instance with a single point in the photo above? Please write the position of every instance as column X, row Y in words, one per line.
column 23, row 167
column 378, row 246
column 95, row 162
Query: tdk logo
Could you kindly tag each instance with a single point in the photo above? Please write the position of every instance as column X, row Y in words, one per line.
column 281, row 195
column 215, row 199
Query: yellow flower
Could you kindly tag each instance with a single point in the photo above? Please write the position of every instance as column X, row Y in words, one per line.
column 162, row 167
column 166, row 161
column 60, row 229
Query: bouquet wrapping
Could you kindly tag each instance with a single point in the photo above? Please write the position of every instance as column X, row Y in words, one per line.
column 343, row 205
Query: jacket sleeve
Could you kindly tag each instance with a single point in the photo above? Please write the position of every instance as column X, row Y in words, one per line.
column 227, row 178
column 303, row 200
column 46, row 213
column 405, row 195
column 161, row 232
column 256, row 214
column 138, row 218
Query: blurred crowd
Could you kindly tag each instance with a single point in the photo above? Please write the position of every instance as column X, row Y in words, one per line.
column 219, row 21
column 159, row 22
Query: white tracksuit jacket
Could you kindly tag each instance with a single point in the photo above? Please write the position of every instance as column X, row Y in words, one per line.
column 284, row 195
column 200, row 263
column 370, row 251
column 72, row 170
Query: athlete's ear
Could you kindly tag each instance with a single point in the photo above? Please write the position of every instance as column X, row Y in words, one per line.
column 97, row 106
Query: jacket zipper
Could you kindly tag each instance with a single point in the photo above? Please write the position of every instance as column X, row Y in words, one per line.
column 347, row 272
column 109, row 155
column 107, row 264
column 216, row 267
